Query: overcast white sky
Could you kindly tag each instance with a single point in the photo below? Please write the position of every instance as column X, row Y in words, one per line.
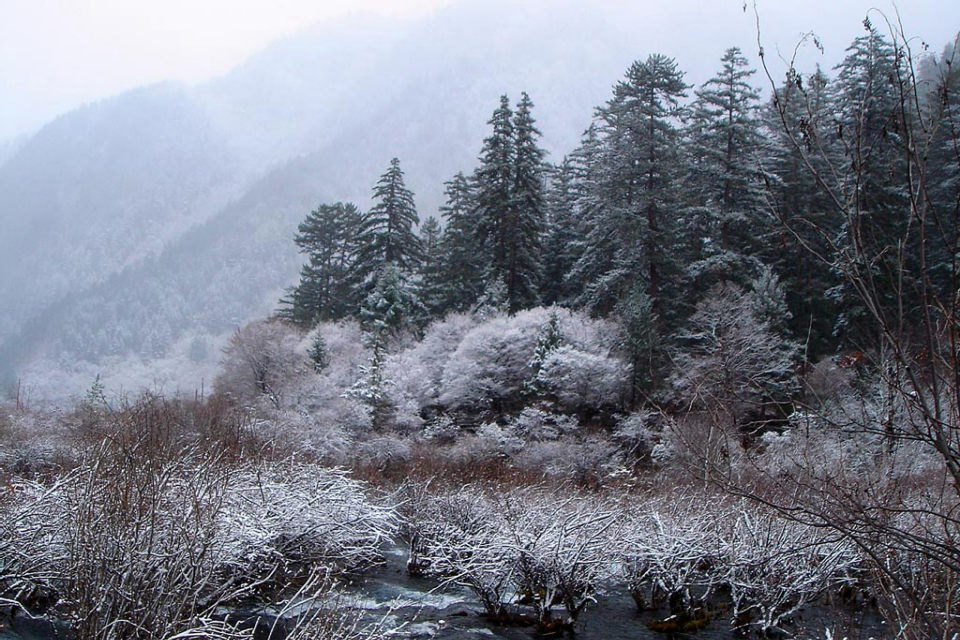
column 58, row 54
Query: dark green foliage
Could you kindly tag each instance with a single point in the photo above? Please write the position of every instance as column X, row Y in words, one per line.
column 319, row 353
column 386, row 234
column 633, row 228
column 328, row 283
column 462, row 264
column 802, row 243
column 548, row 340
column 391, row 305
column 430, row 287
column 640, row 342
column 876, row 231
column 722, row 187
column 560, row 247
column 509, row 203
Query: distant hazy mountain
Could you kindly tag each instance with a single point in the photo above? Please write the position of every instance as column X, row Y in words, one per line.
column 167, row 212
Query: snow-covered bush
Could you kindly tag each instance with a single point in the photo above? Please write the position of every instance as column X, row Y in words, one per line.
column 264, row 359
column 672, row 550
column 584, row 461
column 323, row 396
column 732, row 358
column 535, row 424
column 328, row 435
column 580, row 380
column 382, row 452
column 502, row 440
column 562, row 549
column 776, row 567
column 638, row 433
column 138, row 536
column 417, row 372
column 491, row 363
column 292, row 517
column 441, row 429
column 456, row 536
column 491, row 366
column 523, row 547
column 32, row 549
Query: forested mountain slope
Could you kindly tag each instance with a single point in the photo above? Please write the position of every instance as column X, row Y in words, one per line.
column 130, row 221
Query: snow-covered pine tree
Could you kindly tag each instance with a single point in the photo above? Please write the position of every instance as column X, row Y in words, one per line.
column 386, row 232
column 524, row 268
column 633, row 234
column 328, row 288
column 871, row 127
column 318, row 353
column 802, row 245
column 722, row 184
column 392, row 305
column 430, row 286
column 560, row 233
column 549, row 338
column 493, row 181
column 941, row 115
column 509, row 203
column 593, row 247
column 462, row 264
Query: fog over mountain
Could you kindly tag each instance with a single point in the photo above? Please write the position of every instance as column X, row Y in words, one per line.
column 140, row 230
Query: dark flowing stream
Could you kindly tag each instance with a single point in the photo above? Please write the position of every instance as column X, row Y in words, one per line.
column 423, row 610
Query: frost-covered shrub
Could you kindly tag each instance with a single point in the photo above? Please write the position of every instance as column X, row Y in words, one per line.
column 323, row 434
column 32, row 544
column 138, row 532
column 502, row 440
column 672, row 551
column 848, row 436
column 344, row 348
column 492, row 363
column 263, row 360
column 827, row 380
column 535, row 424
column 296, row 517
column 441, row 429
column 638, row 433
column 417, row 372
column 323, row 396
column 732, row 358
column 775, row 567
column 384, row 451
column 584, row 461
column 579, row 380
column 523, row 546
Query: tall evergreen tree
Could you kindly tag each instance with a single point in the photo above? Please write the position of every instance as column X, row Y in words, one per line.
column 386, row 233
column 633, row 231
column 560, row 233
column 462, row 264
column 722, row 182
column 391, row 306
column 877, row 223
column 802, row 245
column 509, row 201
column 525, row 268
column 940, row 115
column 430, row 285
column 327, row 288
column 493, row 182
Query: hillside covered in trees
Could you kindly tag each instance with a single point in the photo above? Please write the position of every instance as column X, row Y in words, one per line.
column 687, row 217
